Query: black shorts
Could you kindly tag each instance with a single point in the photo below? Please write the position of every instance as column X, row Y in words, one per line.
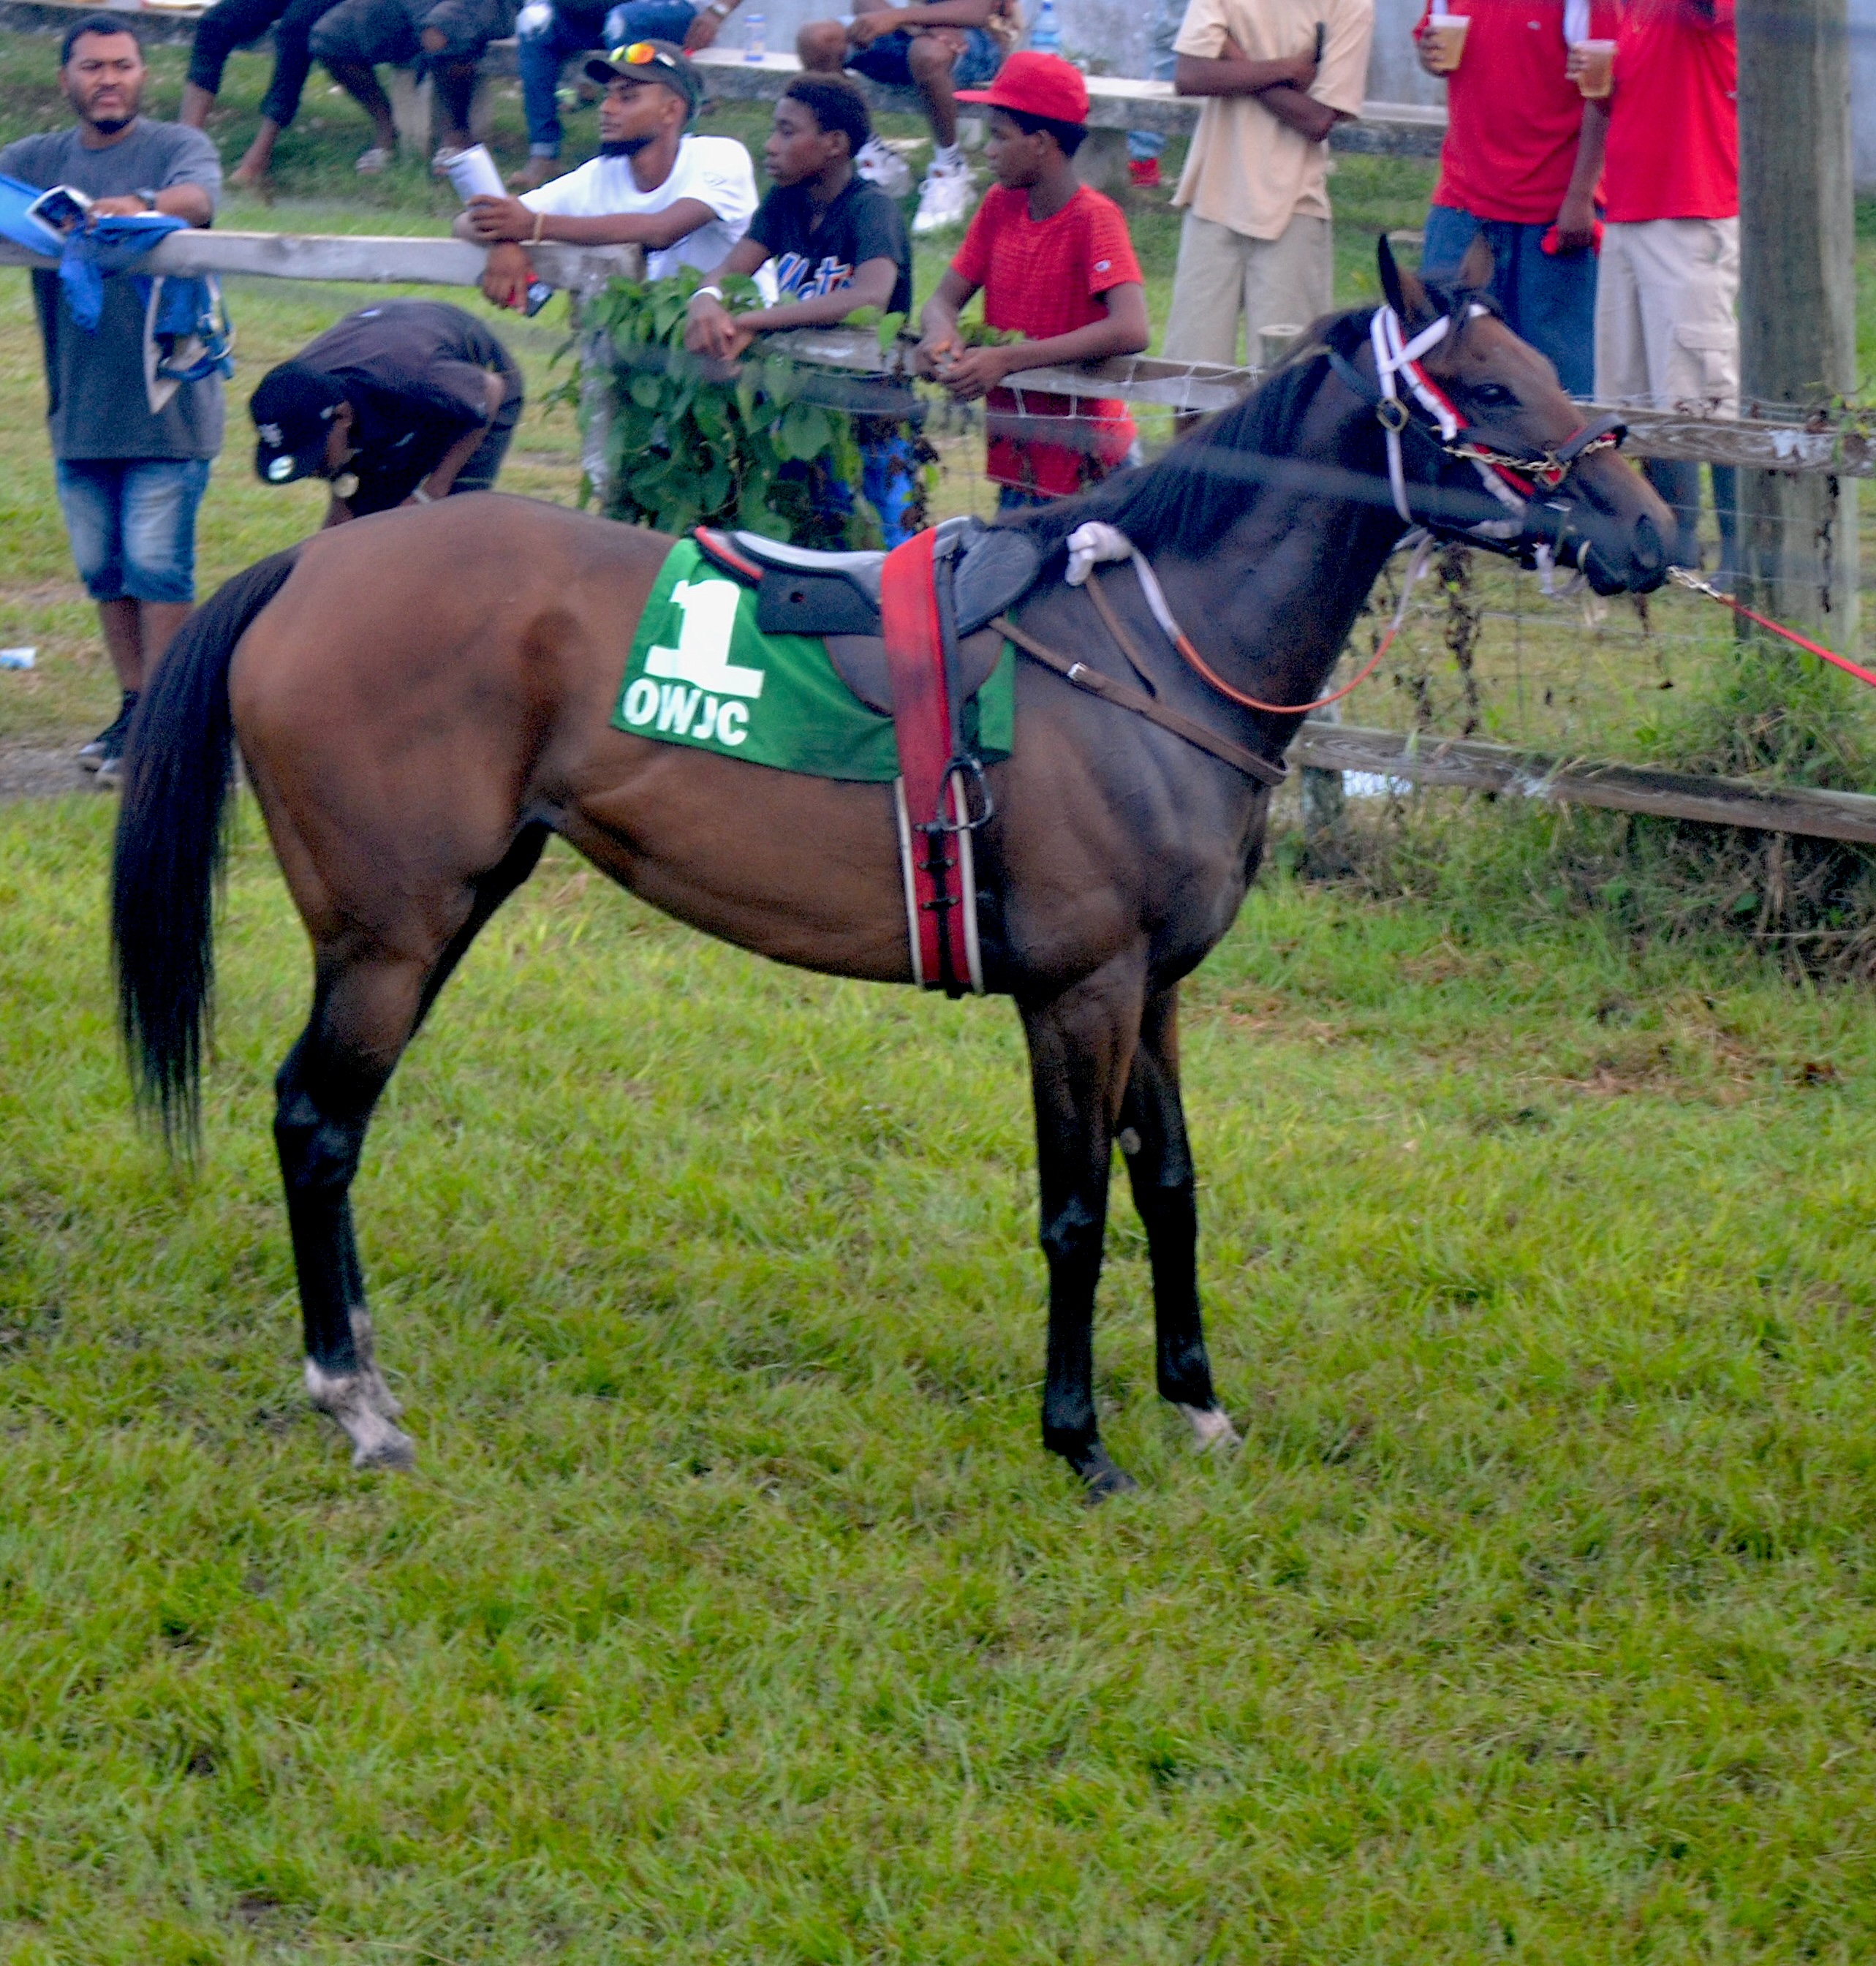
column 364, row 33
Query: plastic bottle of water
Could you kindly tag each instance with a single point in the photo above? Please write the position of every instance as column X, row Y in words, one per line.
column 1044, row 36
column 755, row 37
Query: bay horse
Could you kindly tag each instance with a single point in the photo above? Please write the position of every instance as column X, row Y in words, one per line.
column 420, row 698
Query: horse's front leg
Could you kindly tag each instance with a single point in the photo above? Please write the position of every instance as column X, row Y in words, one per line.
column 1165, row 1191
column 1081, row 1050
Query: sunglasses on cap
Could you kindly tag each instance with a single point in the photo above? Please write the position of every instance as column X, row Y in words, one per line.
column 641, row 62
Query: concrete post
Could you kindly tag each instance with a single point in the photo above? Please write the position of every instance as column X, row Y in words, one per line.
column 1797, row 297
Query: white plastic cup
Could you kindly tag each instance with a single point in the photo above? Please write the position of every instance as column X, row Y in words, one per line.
column 473, row 173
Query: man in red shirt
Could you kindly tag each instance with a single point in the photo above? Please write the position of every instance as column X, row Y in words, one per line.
column 1666, row 334
column 1519, row 166
column 1056, row 266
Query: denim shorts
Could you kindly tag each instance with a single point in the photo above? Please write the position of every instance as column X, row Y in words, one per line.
column 132, row 524
column 885, row 61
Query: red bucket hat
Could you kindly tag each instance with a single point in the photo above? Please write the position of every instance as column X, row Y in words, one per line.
column 1036, row 85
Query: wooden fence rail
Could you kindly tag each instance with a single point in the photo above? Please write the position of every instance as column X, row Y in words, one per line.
column 1420, row 758
column 1843, row 451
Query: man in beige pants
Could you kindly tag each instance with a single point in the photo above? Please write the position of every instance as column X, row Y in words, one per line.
column 1257, row 245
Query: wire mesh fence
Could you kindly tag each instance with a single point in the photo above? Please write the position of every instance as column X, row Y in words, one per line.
column 1484, row 651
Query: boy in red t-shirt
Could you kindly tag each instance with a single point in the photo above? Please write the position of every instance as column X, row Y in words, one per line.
column 1519, row 168
column 1056, row 266
column 1666, row 334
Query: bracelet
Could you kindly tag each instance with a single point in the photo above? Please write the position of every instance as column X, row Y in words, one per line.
column 706, row 293
column 540, row 219
column 421, row 497
column 720, row 11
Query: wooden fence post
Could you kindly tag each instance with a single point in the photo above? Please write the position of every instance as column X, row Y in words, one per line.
column 1797, row 297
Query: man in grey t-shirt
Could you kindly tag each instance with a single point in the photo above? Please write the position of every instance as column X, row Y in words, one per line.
column 130, row 478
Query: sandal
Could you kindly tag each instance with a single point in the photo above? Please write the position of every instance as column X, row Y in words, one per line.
column 372, row 162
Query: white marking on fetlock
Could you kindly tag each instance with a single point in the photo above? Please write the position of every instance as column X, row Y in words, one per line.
column 365, row 1348
column 358, row 1401
column 1212, row 1430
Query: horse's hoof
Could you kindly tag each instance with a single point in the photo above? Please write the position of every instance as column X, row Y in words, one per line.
column 1102, row 1477
column 1212, row 1430
column 390, row 1450
column 361, row 1404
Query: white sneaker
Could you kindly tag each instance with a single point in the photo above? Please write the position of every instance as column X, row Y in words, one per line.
column 945, row 197
column 881, row 166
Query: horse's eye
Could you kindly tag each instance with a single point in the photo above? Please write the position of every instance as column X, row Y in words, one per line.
column 1494, row 395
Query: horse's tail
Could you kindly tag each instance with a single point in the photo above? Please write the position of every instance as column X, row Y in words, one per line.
column 171, row 836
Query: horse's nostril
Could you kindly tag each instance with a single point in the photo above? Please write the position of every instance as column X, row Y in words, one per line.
column 1651, row 556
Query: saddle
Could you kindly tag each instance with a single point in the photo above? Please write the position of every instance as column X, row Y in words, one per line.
column 908, row 632
column 837, row 596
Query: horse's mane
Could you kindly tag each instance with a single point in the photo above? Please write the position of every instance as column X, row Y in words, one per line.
column 1184, row 499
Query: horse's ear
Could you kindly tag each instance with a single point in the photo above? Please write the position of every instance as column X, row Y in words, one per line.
column 1405, row 293
column 1477, row 268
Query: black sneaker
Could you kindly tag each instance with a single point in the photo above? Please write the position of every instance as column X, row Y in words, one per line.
column 107, row 748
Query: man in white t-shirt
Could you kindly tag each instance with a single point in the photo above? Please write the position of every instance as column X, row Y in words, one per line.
column 687, row 200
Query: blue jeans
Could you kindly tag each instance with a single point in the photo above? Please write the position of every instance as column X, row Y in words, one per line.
column 132, row 524
column 1548, row 299
column 540, row 51
column 888, row 477
column 1167, row 15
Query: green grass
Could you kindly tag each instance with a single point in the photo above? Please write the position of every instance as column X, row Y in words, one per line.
column 734, row 1612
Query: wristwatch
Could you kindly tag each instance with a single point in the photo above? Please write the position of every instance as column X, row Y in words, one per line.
column 149, row 198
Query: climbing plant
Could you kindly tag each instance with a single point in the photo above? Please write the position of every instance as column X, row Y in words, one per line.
column 685, row 446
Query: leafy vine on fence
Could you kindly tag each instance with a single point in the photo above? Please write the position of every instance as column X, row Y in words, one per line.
column 691, row 442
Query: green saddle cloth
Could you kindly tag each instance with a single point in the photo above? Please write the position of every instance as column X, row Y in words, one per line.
column 701, row 673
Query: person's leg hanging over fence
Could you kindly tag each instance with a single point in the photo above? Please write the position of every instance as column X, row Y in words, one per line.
column 292, row 63
column 227, row 26
column 352, row 40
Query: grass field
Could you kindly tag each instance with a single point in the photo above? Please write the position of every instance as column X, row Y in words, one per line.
column 734, row 1613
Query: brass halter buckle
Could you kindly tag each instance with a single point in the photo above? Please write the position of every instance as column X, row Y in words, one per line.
column 1391, row 414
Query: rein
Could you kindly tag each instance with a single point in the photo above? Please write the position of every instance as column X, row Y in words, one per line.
column 1681, row 578
column 1097, row 541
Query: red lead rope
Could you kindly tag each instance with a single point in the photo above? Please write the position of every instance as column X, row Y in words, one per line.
column 1684, row 578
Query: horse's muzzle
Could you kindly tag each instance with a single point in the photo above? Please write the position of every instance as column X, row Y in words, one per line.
column 1637, row 565
column 1620, row 551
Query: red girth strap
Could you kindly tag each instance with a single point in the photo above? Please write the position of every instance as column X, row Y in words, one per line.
column 921, row 717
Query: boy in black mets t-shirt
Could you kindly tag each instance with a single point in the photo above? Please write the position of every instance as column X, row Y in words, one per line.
column 838, row 244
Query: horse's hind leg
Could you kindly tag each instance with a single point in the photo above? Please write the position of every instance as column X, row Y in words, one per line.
column 1159, row 1165
column 366, row 1009
column 363, row 1015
